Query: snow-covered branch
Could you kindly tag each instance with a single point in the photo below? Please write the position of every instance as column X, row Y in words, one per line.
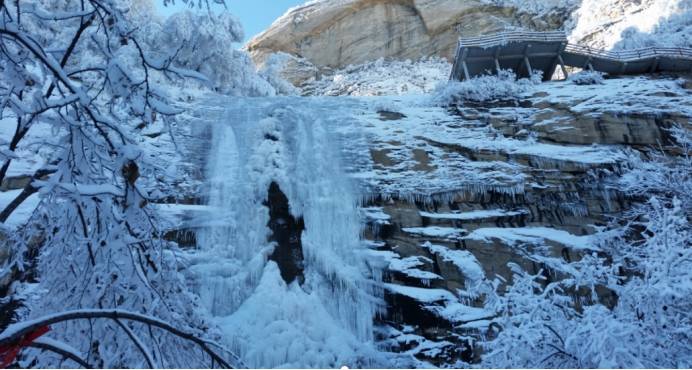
column 96, row 72
column 60, row 348
column 17, row 331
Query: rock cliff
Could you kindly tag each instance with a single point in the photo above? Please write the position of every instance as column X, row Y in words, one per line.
column 335, row 34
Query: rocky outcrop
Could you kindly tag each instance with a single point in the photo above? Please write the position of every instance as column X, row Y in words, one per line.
column 439, row 243
column 335, row 34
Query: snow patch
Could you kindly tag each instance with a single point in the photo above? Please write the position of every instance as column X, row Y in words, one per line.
column 436, row 231
column 536, row 235
column 473, row 215
column 465, row 261
column 409, row 267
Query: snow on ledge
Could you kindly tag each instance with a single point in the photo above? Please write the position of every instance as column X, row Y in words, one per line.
column 409, row 266
column 424, row 295
column 464, row 261
column 436, row 232
column 536, row 235
column 473, row 215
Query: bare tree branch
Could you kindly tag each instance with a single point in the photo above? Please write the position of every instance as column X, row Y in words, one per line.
column 49, row 345
column 16, row 332
column 28, row 190
column 138, row 343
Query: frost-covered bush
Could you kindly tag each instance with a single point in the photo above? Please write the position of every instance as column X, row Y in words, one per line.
column 536, row 7
column 663, row 176
column 271, row 72
column 673, row 28
column 203, row 42
column 587, row 77
column 645, row 261
column 627, row 24
column 383, row 77
column 503, row 86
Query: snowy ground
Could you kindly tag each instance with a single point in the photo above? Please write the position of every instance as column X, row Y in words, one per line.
column 22, row 214
column 35, row 150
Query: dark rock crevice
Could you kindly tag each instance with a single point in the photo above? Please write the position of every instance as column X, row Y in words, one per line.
column 286, row 233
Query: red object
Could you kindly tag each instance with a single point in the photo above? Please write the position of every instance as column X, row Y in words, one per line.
column 10, row 352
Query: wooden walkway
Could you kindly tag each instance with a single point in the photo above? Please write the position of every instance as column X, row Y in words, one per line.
column 525, row 52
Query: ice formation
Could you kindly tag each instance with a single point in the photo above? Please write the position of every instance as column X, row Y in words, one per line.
column 325, row 321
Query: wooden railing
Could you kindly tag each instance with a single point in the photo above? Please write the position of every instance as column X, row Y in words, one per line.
column 558, row 36
column 630, row 55
column 512, row 36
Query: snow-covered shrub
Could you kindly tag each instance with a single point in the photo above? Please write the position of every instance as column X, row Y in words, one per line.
column 271, row 72
column 627, row 24
column 673, row 27
column 587, row 77
column 536, row 7
column 503, row 86
column 383, row 77
column 663, row 176
column 203, row 42
column 548, row 326
column 645, row 261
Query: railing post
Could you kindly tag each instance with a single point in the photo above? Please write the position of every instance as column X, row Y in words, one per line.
column 562, row 65
column 588, row 65
column 526, row 60
column 464, row 68
column 455, row 66
column 528, row 66
column 654, row 65
column 497, row 61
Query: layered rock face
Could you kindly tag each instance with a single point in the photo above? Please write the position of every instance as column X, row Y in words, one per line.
column 539, row 181
column 335, row 34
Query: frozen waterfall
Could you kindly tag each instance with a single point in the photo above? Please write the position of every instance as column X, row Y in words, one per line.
column 326, row 318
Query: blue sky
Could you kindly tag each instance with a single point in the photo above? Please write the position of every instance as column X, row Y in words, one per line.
column 256, row 15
